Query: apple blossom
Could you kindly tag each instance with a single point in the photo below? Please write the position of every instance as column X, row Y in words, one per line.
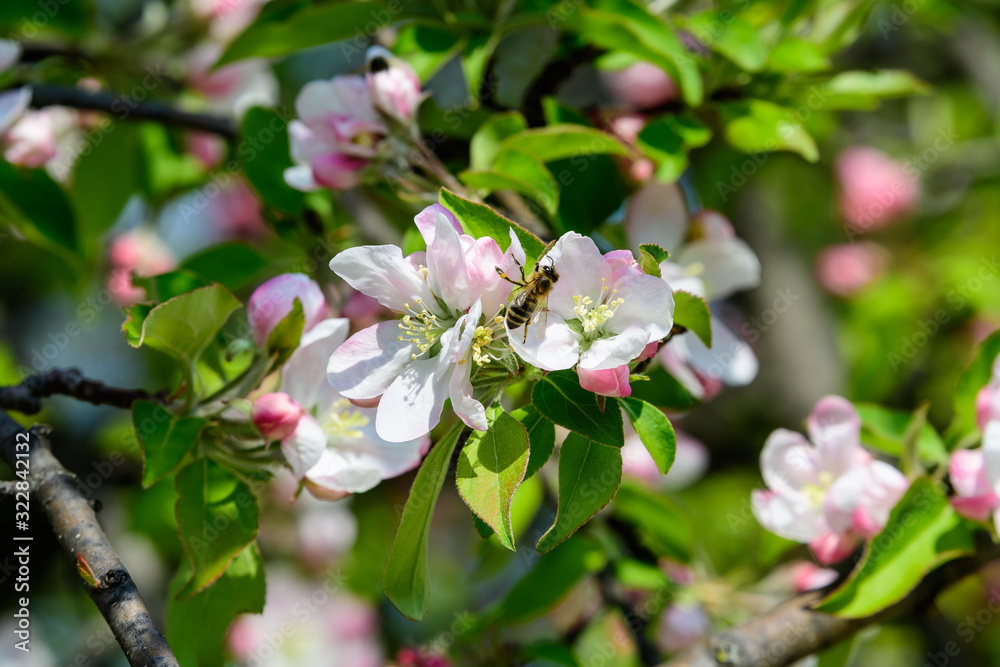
column 334, row 449
column 988, row 399
column 875, row 190
column 607, row 382
column 602, row 313
column 807, row 576
column 450, row 297
column 275, row 415
column 273, row 300
column 393, row 84
column 829, row 493
column 140, row 251
column 975, row 495
column 848, row 268
column 642, row 85
column 707, row 260
column 336, row 134
column 31, row 141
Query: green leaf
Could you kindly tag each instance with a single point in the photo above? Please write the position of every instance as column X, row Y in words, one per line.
column 667, row 140
column 486, row 141
column 730, row 35
column 863, row 90
column 166, row 438
column 234, row 265
column 520, row 172
column 265, row 154
column 663, row 390
column 556, row 573
column 114, row 155
column 884, row 429
column 132, row 326
column 216, row 519
column 490, row 468
column 756, row 126
column 654, row 429
column 976, row 376
column 405, row 577
column 427, row 48
column 794, row 54
column 196, row 627
column 923, row 532
column 589, row 475
column 541, row 437
column 168, row 169
column 314, row 25
column 563, row 140
column 627, row 26
column 660, row 525
column 184, row 326
column 285, row 337
column 650, row 256
column 480, row 220
column 560, row 399
column 37, row 207
column 692, row 312
column 479, row 48
column 168, row 285
column 27, row 19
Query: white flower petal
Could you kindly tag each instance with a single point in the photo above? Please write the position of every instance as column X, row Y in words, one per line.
column 337, row 471
column 581, row 268
column 788, row 463
column 785, row 518
column 730, row 360
column 615, row 350
column 367, row 363
column 304, row 447
column 648, row 304
column 13, row 104
column 556, row 350
column 465, row 406
column 381, row 272
column 412, row 404
column 991, row 454
column 303, row 376
column 728, row 265
column 301, row 178
column 658, row 214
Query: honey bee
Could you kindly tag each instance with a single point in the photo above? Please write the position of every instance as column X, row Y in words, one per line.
column 532, row 296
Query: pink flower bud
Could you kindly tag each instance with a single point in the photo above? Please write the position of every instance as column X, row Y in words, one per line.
column 642, row 85
column 276, row 415
column 31, row 142
column 987, row 405
column 393, row 84
column 832, row 548
column 272, row 301
column 808, row 576
column 337, row 171
column 974, row 496
column 848, row 268
column 609, row 382
column 874, row 189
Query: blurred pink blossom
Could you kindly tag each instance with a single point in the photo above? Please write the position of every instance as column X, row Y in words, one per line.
column 641, row 86
column 236, row 212
column 690, row 461
column 848, row 268
column 807, row 576
column 975, row 496
column 31, row 141
column 875, row 190
column 988, row 399
column 682, row 625
column 209, row 149
column 393, row 84
column 140, row 251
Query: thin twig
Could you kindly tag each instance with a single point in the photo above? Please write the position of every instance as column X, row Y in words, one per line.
column 76, row 528
column 124, row 107
column 26, row 397
column 794, row 630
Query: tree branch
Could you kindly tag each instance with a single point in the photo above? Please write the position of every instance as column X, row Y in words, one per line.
column 26, row 397
column 124, row 107
column 80, row 535
column 793, row 630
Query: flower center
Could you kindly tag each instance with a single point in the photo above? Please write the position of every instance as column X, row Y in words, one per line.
column 481, row 340
column 420, row 327
column 591, row 318
column 344, row 421
column 816, row 493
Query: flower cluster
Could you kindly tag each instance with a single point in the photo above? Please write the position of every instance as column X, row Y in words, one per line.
column 830, row 492
column 975, row 474
column 343, row 123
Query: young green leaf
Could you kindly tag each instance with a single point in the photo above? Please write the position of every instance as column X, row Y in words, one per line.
column 563, row 140
column 692, row 312
column 756, row 126
column 184, row 326
column 559, row 398
column 165, row 439
column 234, row 265
column 285, row 337
column 650, row 256
column 490, row 468
column 654, row 429
column 486, row 141
column 589, row 475
column 166, row 286
column 541, row 437
column 884, row 429
column 923, row 532
column 216, row 519
column 196, row 626
column 667, row 140
column 520, row 172
column 405, row 576
column 730, row 35
column 480, row 220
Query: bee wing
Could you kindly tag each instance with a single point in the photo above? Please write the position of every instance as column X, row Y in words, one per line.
column 543, row 312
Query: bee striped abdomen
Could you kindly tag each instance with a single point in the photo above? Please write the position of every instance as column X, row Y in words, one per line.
column 521, row 309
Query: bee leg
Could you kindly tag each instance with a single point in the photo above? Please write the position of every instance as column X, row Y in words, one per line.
column 519, row 267
column 507, row 278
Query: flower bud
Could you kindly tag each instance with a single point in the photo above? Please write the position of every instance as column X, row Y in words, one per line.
column 272, row 301
column 849, row 267
column 276, row 415
column 808, row 576
column 609, row 382
column 394, row 85
column 642, row 85
column 974, row 497
column 874, row 188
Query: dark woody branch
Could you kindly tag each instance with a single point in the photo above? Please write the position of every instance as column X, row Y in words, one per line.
column 793, row 630
column 76, row 528
column 26, row 397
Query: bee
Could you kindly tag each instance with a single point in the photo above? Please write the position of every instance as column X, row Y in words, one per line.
column 532, row 296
